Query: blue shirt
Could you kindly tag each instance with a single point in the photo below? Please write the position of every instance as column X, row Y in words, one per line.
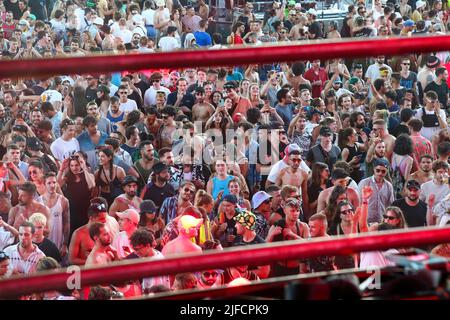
column 202, row 38
column 56, row 121
column 88, row 146
column 286, row 113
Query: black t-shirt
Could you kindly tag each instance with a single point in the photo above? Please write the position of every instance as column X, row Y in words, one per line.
column 49, row 249
column 415, row 216
column 401, row 128
column 316, row 29
column 157, row 194
column 441, row 90
column 239, row 240
column 14, row 8
column 91, row 94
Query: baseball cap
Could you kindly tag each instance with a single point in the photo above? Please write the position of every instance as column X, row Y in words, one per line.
column 292, row 12
column 51, row 96
column 291, row 147
column 98, row 21
column 32, row 17
column 312, row 11
column 420, row 4
column 259, row 198
column 325, row 131
column 128, row 180
column 131, row 214
column 187, row 222
column 160, row 3
column 433, row 62
column 68, row 79
column 24, row 23
column 413, row 184
column 409, row 23
column 147, row 206
column 246, row 219
column 337, row 80
column 34, row 144
column 230, row 85
column 159, row 167
column 231, row 198
column 291, row 3
column 298, row 6
column 381, row 162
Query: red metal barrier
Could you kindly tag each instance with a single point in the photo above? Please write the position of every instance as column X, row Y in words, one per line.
column 256, row 255
column 235, row 56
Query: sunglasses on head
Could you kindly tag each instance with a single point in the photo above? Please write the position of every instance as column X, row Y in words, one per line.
column 99, row 207
column 348, row 211
column 385, row 216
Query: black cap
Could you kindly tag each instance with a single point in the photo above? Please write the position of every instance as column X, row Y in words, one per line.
column 147, row 206
column 231, row 85
column 433, row 62
column 413, row 184
column 325, row 131
column 34, row 144
column 128, row 180
column 159, row 167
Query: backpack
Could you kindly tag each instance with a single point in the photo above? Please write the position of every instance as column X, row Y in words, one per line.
column 398, row 181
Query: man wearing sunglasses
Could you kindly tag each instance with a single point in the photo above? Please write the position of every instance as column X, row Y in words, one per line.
column 81, row 243
column 151, row 93
column 383, row 192
column 294, row 175
column 414, row 209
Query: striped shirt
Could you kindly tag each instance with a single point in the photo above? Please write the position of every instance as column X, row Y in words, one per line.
column 19, row 265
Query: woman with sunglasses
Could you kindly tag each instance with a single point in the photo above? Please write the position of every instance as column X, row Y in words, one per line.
column 345, row 222
column 36, row 175
column 108, row 176
column 77, row 183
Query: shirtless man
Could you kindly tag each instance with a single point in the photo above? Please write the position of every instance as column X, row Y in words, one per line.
column 339, row 177
column 161, row 19
column 168, row 128
column 295, row 176
column 81, row 243
column 380, row 131
column 27, row 206
column 425, row 173
column 188, row 227
column 102, row 252
column 202, row 110
column 59, row 209
column 127, row 200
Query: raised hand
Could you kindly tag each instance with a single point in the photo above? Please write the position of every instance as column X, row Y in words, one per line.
column 431, row 200
column 367, row 192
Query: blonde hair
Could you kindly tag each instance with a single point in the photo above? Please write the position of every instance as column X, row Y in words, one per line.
column 38, row 218
column 203, row 198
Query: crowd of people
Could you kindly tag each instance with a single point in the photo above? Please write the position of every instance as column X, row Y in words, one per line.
column 99, row 168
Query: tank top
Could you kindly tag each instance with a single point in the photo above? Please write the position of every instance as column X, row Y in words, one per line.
column 114, row 120
column 56, row 232
column 220, row 185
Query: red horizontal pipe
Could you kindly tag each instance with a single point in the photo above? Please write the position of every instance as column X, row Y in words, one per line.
column 237, row 56
column 256, row 255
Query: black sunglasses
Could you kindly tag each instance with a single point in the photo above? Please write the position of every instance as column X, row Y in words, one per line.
column 389, row 217
column 208, row 274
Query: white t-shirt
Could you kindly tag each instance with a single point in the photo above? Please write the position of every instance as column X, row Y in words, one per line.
column 430, row 131
column 125, row 34
column 280, row 165
column 149, row 16
column 168, row 44
column 128, row 106
column 62, row 149
column 150, row 95
column 430, row 187
column 122, row 244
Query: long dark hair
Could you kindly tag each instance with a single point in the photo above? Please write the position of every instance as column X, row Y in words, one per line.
column 332, row 202
column 317, row 170
column 336, row 221
column 109, row 153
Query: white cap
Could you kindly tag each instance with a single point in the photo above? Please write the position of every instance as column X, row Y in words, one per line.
column 259, row 198
column 298, row 6
column 68, row 79
column 160, row 3
column 130, row 214
column 312, row 11
column 51, row 96
column 420, row 4
column 98, row 21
